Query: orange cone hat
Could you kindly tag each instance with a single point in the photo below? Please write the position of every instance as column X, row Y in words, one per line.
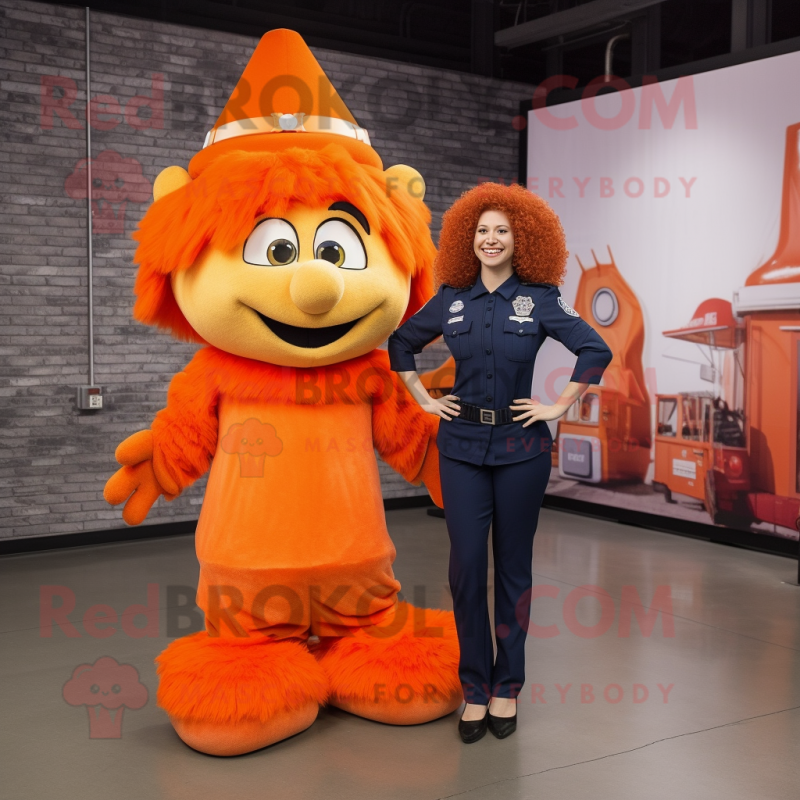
column 284, row 99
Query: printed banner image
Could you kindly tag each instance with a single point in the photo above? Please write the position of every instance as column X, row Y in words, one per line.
column 681, row 205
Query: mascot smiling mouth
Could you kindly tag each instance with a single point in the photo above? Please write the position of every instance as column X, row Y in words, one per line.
column 307, row 337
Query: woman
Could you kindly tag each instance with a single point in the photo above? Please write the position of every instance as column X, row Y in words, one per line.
column 501, row 255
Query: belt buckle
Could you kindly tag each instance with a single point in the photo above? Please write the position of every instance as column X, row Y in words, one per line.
column 487, row 416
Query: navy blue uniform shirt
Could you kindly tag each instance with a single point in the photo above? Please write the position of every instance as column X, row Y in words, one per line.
column 494, row 338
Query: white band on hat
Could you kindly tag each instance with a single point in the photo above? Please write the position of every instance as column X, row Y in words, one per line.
column 287, row 123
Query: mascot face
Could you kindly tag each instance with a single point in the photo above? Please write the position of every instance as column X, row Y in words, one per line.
column 285, row 241
column 299, row 259
column 314, row 286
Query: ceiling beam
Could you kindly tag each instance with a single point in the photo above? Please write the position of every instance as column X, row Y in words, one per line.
column 572, row 20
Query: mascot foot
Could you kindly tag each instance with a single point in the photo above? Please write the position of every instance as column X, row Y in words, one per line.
column 244, row 736
column 402, row 672
column 229, row 696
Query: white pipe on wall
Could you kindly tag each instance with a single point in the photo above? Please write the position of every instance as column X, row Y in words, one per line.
column 90, row 313
column 610, row 53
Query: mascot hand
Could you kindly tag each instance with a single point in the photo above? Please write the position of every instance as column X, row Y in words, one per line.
column 136, row 482
column 430, row 473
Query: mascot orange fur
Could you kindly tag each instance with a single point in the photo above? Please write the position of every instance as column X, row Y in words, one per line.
column 290, row 254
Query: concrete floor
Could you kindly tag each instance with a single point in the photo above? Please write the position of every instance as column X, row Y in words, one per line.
column 730, row 727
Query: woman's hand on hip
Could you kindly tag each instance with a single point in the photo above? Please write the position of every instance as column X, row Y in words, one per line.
column 533, row 411
column 444, row 407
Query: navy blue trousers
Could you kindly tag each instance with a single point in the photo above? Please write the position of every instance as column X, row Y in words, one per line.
column 507, row 497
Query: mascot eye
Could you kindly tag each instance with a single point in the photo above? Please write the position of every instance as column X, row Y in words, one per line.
column 331, row 251
column 273, row 243
column 336, row 241
column 281, row 252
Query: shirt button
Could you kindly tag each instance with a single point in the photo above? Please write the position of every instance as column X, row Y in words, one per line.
column 488, row 352
column 488, row 324
column 488, row 374
column 489, row 398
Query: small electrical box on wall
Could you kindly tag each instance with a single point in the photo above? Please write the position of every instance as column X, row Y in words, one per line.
column 90, row 398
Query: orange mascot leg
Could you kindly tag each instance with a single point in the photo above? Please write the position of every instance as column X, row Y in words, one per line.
column 403, row 671
column 226, row 696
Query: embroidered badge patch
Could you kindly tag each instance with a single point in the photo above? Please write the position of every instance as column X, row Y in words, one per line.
column 523, row 305
column 456, row 307
column 563, row 303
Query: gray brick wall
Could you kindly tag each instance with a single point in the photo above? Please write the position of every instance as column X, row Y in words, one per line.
column 454, row 128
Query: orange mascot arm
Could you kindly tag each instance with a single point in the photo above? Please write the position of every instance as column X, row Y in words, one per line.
column 404, row 435
column 176, row 450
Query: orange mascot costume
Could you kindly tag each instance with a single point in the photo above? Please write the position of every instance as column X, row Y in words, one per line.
column 291, row 255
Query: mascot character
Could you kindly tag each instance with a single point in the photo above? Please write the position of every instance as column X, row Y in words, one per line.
column 290, row 254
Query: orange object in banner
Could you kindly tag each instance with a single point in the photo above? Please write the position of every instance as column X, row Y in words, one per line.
column 770, row 302
column 784, row 265
column 606, row 435
column 712, row 324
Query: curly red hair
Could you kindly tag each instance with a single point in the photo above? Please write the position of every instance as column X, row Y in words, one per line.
column 540, row 249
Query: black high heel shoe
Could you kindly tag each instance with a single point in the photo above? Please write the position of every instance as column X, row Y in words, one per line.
column 502, row 726
column 473, row 730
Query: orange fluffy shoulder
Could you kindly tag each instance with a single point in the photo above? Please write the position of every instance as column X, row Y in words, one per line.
column 185, row 432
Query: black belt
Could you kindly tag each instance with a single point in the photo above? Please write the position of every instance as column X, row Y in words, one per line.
column 488, row 416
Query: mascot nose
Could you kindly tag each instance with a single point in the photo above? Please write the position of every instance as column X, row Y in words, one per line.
column 316, row 287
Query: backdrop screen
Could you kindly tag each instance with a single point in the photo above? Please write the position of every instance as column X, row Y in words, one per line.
column 681, row 205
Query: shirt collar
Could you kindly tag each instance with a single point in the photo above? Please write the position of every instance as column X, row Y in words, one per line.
column 505, row 290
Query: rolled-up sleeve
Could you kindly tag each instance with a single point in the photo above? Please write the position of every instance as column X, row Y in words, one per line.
column 415, row 333
column 580, row 338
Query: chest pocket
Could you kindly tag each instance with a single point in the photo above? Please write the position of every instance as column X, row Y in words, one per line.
column 456, row 336
column 519, row 339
